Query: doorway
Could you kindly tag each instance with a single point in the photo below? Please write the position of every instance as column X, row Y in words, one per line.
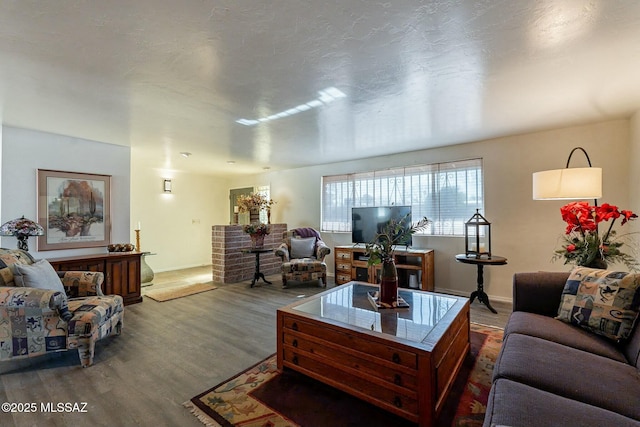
column 243, row 218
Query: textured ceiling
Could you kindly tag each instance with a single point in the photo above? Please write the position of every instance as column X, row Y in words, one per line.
column 165, row 76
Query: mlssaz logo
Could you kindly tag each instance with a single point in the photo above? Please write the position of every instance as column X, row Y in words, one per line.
column 63, row 407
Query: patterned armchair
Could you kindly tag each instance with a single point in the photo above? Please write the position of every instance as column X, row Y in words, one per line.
column 35, row 321
column 302, row 252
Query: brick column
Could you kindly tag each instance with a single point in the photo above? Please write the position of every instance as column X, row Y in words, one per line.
column 229, row 265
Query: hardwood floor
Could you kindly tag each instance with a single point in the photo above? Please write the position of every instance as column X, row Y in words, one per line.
column 168, row 352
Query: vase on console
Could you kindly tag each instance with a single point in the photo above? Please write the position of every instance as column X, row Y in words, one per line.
column 254, row 215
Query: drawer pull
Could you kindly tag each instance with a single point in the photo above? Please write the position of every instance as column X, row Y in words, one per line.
column 395, row 358
column 397, row 402
column 397, row 379
column 294, row 326
column 295, row 360
column 295, row 343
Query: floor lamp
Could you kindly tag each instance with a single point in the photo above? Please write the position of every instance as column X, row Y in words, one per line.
column 569, row 183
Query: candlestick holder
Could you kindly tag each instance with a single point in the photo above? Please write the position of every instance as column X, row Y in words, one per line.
column 138, row 240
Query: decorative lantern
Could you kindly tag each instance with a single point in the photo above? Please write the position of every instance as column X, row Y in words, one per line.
column 477, row 236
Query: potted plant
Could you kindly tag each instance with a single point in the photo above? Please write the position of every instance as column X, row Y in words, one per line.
column 257, row 231
column 584, row 245
column 380, row 251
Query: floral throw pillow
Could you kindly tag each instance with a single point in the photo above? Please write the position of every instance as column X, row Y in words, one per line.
column 602, row 301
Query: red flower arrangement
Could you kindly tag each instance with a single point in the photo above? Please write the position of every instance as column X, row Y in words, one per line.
column 583, row 244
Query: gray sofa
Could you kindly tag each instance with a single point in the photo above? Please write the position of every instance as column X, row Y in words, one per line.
column 551, row 373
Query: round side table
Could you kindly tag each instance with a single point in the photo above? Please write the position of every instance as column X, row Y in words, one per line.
column 481, row 262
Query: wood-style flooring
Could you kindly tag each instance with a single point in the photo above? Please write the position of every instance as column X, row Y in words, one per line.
column 168, row 352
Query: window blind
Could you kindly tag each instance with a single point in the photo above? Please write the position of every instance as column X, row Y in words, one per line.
column 446, row 193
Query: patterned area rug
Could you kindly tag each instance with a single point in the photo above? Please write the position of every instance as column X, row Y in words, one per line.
column 162, row 295
column 261, row 397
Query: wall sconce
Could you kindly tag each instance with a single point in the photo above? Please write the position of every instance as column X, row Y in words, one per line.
column 167, row 185
column 568, row 183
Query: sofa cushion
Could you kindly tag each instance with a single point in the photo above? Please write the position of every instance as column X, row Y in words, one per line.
column 602, row 301
column 631, row 348
column 547, row 328
column 9, row 258
column 515, row 404
column 568, row 372
column 303, row 248
column 39, row 275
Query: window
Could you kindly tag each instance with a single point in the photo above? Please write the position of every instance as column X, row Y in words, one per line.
column 446, row 193
column 264, row 190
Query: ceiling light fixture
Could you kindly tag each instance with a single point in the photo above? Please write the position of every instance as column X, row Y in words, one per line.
column 325, row 96
column 185, row 154
column 231, row 162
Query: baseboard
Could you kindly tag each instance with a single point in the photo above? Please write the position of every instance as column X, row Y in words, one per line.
column 468, row 294
column 180, row 268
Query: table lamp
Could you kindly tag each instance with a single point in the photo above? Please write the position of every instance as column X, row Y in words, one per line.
column 21, row 228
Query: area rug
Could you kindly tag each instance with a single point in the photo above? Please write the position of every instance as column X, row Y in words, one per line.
column 261, row 397
column 167, row 294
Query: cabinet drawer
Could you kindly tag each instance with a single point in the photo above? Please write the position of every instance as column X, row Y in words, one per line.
column 347, row 340
column 397, row 400
column 344, row 256
column 344, row 266
column 342, row 278
column 365, row 368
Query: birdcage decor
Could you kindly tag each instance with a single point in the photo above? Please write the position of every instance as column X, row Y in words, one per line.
column 477, row 236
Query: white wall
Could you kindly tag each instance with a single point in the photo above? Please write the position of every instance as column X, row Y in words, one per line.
column 26, row 151
column 177, row 226
column 524, row 231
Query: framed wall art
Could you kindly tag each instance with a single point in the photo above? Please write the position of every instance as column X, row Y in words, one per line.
column 74, row 209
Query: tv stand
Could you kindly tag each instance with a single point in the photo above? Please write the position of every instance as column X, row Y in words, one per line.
column 415, row 266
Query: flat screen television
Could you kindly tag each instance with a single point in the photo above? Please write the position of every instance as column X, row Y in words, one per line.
column 366, row 222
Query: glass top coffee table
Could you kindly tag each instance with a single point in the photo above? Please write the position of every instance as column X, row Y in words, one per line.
column 402, row 360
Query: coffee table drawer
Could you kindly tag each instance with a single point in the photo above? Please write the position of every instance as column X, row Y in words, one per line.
column 365, row 368
column 361, row 344
column 395, row 399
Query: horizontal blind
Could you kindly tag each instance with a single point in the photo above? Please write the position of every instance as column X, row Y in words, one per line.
column 446, row 193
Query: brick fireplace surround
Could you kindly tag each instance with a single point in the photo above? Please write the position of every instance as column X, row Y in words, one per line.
column 229, row 265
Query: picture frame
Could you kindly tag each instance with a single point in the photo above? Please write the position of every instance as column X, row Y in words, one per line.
column 74, row 209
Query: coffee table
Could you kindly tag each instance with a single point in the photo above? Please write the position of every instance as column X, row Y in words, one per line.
column 402, row 360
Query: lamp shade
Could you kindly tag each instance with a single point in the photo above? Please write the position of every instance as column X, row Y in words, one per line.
column 22, row 228
column 568, row 184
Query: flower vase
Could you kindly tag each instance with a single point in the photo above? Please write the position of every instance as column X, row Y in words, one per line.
column 257, row 241
column 598, row 262
column 254, row 215
column 388, row 283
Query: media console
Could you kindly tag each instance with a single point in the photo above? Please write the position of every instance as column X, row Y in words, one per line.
column 415, row 267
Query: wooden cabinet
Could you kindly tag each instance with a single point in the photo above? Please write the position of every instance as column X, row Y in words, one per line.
column 343, row 264
column 121, row 271
column 415, row 267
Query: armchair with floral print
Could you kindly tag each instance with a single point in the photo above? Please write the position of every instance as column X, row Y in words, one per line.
column 43, row 311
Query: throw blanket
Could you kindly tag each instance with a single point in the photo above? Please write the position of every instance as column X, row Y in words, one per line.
column 307, row 232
